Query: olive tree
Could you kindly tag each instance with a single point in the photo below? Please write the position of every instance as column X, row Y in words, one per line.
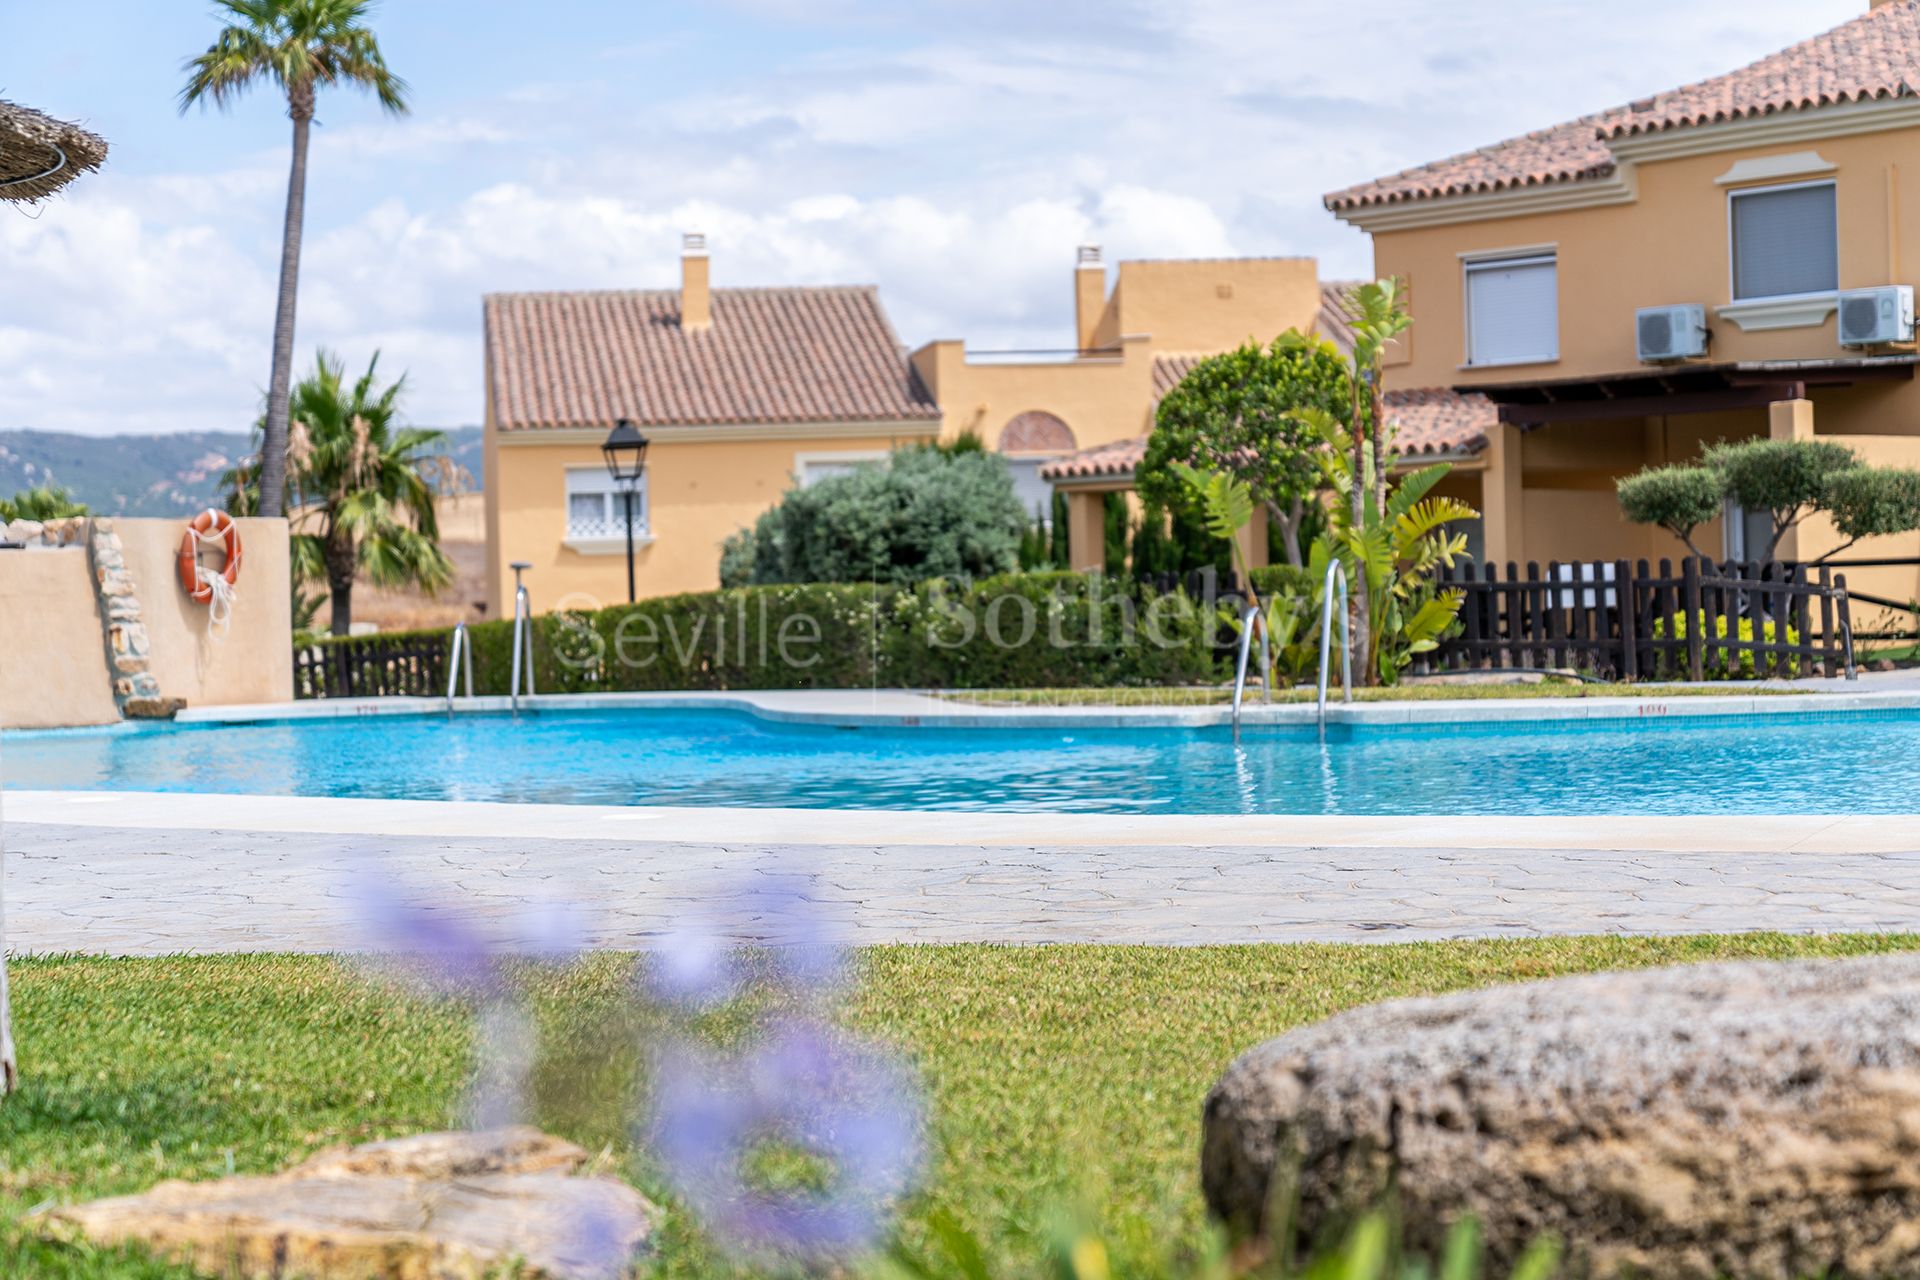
column 1677, row 499
column 1785, row 478
column 1788, row 479
column 1871, row 502
column 1239, row 414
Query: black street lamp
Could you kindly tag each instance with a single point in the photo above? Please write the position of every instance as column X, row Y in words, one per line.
column 626, row 455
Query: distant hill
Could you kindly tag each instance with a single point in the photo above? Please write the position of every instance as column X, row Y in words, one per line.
column 165, row 475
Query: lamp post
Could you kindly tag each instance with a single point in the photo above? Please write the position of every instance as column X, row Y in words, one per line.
column 626, row 455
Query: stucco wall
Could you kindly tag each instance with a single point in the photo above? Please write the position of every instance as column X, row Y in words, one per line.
column 254, row 661
column 53, row 668
column 1669, row 246
column 1183, row 306
column 699, row 493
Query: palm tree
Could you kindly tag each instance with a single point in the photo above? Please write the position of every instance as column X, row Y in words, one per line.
column 302, row 46
column 361, row 486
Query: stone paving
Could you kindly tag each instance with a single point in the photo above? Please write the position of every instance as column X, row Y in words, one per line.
column 128, row 891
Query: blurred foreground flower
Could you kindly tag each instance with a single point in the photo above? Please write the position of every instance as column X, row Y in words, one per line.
column 703, row 962
column 845, row 1118
column 439, row 951
column 797, row 1146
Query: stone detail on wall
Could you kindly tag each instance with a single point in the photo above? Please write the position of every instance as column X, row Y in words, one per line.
column 32, row 534
column 135, row 690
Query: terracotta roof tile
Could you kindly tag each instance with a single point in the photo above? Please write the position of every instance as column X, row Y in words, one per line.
column 1437, row 420
column 1874, row 56
column 771, row 356
column 1432, row 421
column 1565, row 153
column 1119, row 460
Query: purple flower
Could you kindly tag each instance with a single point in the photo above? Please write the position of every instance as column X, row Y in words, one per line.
column 438, row 948
column 846, row 1105
column 696, row 965
column 442, row 948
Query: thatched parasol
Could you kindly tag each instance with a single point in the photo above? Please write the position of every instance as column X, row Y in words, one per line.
column 39, row 155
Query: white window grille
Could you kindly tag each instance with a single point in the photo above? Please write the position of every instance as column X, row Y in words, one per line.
column 596, row 507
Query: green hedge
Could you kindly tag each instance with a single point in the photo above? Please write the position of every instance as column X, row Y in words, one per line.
column 1034, row 630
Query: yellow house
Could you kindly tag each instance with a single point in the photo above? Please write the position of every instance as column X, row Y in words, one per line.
column 1721, row 261
column 1075, row 419
column 742, row 393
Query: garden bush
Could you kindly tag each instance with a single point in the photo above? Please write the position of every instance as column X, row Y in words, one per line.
column 931, row 512
column 1718, row 664
column 1037, row 630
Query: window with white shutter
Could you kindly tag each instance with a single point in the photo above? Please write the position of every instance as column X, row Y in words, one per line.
column 597, row 509
column 1513, row 310
column 1786, row 241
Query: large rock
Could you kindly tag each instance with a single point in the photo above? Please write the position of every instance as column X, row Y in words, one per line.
column 450, row 1206
column 1726, row 1119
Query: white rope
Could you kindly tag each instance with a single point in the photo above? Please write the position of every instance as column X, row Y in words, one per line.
column 223, row 594
column 220, row 606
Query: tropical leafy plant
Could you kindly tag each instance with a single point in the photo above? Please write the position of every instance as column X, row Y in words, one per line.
column 362, row 487
column 1391, row 554
column 42, row 503
column 301, row 47
column 1226, row 505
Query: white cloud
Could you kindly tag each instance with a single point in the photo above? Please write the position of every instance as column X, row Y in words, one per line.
column 952, row 153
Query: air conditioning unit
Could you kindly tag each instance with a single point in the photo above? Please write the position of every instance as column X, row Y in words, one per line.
column 1671, row 333
column 1876, row 317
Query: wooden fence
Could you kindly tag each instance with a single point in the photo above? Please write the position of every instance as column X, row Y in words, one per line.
column 372, row 667
column 1633, row 620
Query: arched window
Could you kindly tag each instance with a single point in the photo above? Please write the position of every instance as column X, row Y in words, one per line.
column 1036, row 431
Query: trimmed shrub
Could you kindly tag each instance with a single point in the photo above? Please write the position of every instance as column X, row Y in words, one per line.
column 1039, row 630
column 930, row 513
column 1715, row 664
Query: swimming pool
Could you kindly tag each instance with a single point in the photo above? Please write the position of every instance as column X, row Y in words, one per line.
column 1866, row 762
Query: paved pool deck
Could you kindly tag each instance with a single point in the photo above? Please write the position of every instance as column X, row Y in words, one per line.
column 139, row 874
column 130, row 874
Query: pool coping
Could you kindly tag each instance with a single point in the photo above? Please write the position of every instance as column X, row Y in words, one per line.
column 903, row 708
column 361, row 822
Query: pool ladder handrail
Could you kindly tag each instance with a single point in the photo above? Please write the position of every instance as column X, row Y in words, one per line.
column 459, row 662
column 522, row 636
column 1252, row 618
column 1336, row 572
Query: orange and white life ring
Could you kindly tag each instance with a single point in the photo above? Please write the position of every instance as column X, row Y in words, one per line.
column 213, row 588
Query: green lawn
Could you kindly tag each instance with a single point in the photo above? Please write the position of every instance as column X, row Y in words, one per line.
column 1442, row 692
column 1055, row 1073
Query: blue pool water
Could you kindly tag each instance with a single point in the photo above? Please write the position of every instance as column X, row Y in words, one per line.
column 1857, row 763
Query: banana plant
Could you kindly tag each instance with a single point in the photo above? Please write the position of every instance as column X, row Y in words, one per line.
column 1226, row 507
column 1401, row 537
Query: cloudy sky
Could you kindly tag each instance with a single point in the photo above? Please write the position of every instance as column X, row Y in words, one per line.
column 952, row 151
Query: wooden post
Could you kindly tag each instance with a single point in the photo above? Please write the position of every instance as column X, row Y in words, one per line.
column 1536, row 617
column 1625, row 606
column 1846, row 623
column 1695, row 619
column 1829, row 638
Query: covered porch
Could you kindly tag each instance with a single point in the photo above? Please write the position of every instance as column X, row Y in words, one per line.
column 1560, row 446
